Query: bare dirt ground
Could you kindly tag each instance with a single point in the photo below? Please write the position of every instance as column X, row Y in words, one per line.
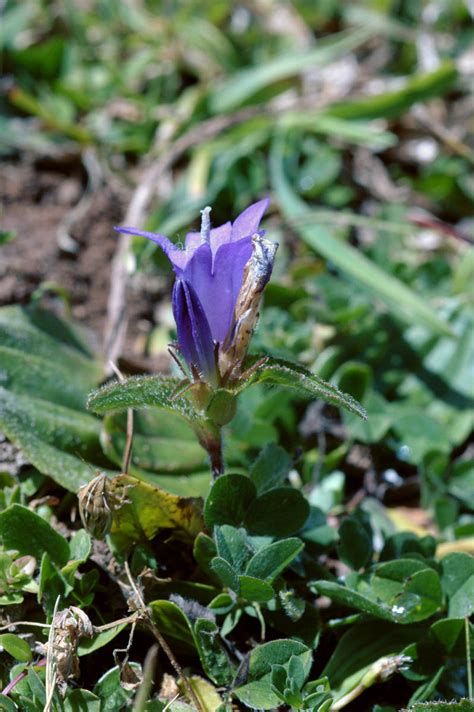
column 35, row 203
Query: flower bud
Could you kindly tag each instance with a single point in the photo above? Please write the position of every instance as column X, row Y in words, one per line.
column 256, row 275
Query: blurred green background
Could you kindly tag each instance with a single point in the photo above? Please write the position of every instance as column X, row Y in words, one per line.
column 355, row 119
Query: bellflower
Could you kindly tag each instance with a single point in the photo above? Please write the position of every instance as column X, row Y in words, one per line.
column 220, row 275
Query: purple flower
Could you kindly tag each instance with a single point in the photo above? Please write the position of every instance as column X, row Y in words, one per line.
column 210, row 273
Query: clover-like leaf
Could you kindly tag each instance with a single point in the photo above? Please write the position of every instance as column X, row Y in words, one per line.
column 173, row 623
column 229, row 499
column 278, row 512
column 409, row 597
column 212, row 653
column 254, row 589
column 257, row 692
column 271, row 560
column 457, row 580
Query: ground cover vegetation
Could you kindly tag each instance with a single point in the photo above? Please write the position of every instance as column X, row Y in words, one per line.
column 285, row 523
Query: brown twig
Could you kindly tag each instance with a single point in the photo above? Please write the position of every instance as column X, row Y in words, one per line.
column 97, row 629
column 13, row 624
column 164, row 645
column 113, row 624
column 433, row 223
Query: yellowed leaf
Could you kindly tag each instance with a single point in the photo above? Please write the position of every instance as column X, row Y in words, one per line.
column 206, row 693
column 142, row 509
column 412, row 519
column 465, row 545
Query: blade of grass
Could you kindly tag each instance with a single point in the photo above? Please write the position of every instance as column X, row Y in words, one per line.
column 327, row 216
column 352, row 131
column 420, row 88
column 28, row 103
column 468, row 659
column 244, row 84
column 143, row 692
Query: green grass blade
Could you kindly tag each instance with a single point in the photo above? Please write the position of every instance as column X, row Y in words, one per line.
column 419, row 88
column 244, row 84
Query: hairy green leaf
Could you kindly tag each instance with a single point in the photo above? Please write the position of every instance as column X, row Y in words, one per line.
column 141, row 392
column 279, row 372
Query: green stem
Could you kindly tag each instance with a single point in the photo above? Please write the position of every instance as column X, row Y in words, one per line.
column 215, row 453
column 468, row 658
column 211, row 440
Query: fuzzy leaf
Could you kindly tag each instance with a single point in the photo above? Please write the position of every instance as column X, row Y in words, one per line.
column 460, row 706
column 229, row 500
column 270, row 468
column 141, row 392
column 30, row 534
column 48, row 434
column 214, row 658
column 457, row 580
column 257, row 692
column 416, row 598
column 35, row 331
column 279, row 372
column 45, row 375
column 279, row 512
column 254, row 589
column 271, row 560
column 226, row 573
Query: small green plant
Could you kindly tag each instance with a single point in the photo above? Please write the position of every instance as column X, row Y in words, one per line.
column 291, row 687
column 16, row 577
column 291, row 524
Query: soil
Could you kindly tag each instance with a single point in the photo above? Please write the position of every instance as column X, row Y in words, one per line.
column 36, row 204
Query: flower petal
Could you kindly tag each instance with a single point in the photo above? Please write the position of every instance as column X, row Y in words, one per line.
column 217, row 281
column 176, row 256
column 194, row 335
column 219, row 235
column 248, row 222
column 193, row 240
